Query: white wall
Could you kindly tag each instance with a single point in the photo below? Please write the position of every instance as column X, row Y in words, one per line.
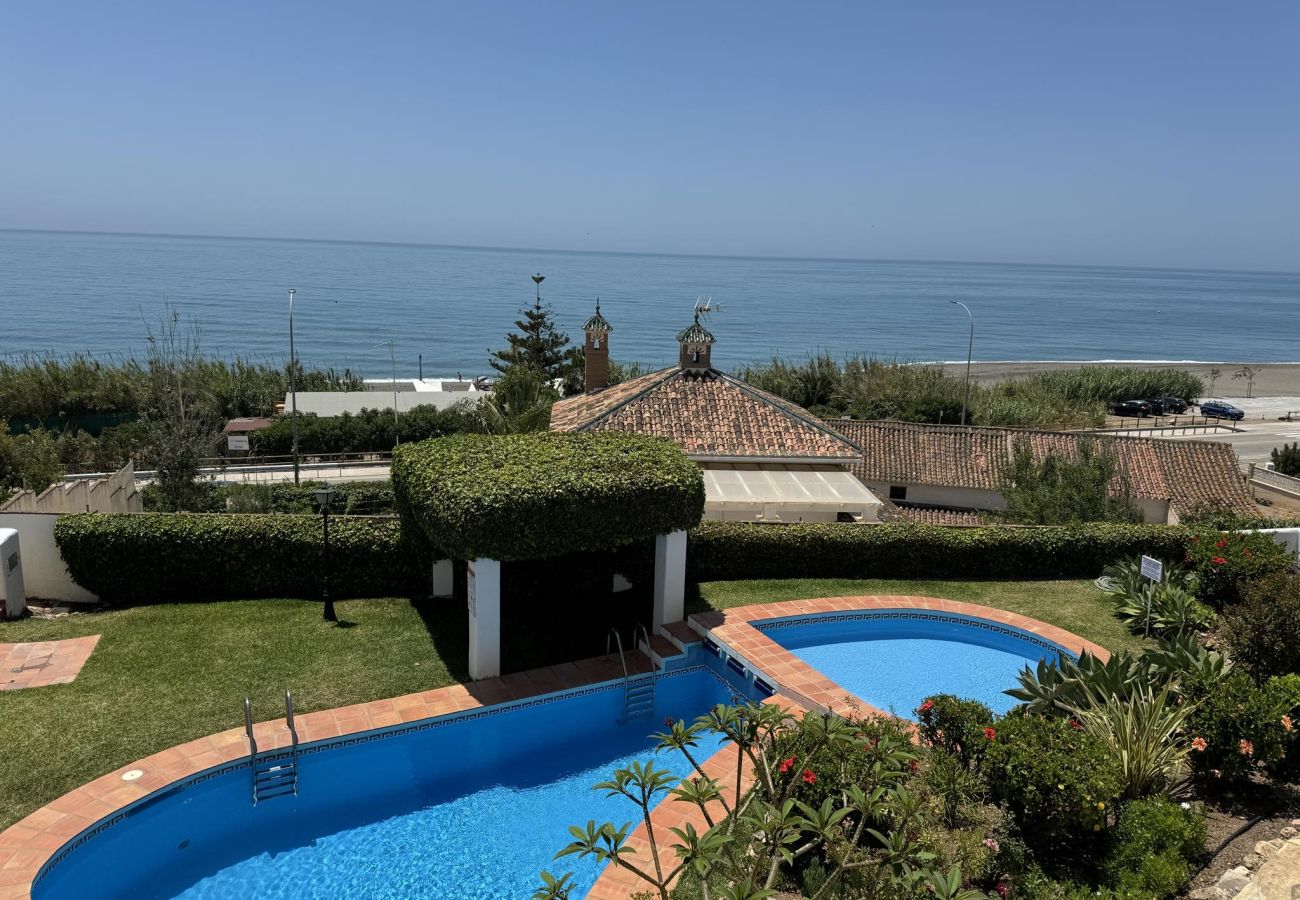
column 44, row 574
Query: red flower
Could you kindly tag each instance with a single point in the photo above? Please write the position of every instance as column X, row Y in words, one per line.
column 913, row 765
column 1076, row 724
column 1187, row 557
column 990, row 734
column 809, row 777
column 926, row 706
column 1247, row 554
column 1218, row 560
column 786, row 765
column 1001, row 888
column 1221, row 543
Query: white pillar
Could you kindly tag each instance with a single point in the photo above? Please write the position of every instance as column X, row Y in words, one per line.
column 670, row 579
column 484, row 589
column 442, row 578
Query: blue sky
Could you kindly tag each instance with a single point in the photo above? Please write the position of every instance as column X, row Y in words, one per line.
column 1151, row 133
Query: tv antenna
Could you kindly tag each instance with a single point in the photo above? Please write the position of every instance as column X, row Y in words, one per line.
column 705, row 305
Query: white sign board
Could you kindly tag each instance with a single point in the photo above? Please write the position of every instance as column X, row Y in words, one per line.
column 469, row 589
column 1153, row 568
column 237, row 442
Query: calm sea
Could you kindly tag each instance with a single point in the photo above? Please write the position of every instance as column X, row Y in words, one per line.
column 97, row 293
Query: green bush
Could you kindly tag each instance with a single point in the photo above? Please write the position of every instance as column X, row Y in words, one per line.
column 178, row 557
column 1059, row 783
column 1222, row 562
column 1262, row 632
column 1152, row 848
column 535, row 496
column 1286, row 459
column 955, row 726
column 369, row 431
column 1239, row 727
column 722, row 551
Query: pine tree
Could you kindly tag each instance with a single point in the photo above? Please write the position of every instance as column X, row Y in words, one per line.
column 536, row 343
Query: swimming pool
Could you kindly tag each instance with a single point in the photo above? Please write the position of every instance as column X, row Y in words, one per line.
column 893, row 659
column 470, row 805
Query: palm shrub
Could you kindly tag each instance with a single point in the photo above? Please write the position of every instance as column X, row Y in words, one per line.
column 1142, row 732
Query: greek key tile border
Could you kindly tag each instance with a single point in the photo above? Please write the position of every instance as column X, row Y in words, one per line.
column 363, row 737
column 922, row 615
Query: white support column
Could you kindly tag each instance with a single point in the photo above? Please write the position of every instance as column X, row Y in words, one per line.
column 442, row 578
column 484, row 618
column 670, row 579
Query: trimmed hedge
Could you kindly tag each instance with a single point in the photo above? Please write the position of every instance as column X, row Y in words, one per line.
column 727, row 551
column 177, row 557
column 541, row 495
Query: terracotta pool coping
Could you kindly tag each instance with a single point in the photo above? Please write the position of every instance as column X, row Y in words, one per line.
column 28, row 844
column 802, row 687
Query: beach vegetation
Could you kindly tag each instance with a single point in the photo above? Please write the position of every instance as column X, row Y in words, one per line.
column 1286, row 459
column 863, row 387
column 29, row 460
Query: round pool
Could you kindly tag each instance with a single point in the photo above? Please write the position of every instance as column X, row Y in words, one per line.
column 894, row 659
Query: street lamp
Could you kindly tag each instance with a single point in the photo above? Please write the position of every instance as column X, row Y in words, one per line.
column 397, row 435
column 970, row 346
column 293, row 389
column 323, row 495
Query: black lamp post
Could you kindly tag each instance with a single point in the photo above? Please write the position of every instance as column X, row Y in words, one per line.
column 323, row 495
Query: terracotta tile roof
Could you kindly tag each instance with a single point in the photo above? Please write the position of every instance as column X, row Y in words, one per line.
column 709, row 414
column 928, row 515
column 1186, row 473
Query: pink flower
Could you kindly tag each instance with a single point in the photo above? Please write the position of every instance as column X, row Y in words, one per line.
column 1199, row 744
column 1245, row 747
column 990, row 734
column 809, row 777
column 992, row 844
column 1002, row 889
column 1286, row 723
column 786, row 765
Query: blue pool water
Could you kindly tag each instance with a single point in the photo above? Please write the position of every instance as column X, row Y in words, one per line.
column 474, row 807
column 894, row 662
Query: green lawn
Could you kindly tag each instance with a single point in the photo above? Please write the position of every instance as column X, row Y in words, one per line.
column 166, row 674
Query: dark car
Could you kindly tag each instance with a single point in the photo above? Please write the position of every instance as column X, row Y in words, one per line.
column 1217, row 409
column 1138, row 408
column 1165, row 406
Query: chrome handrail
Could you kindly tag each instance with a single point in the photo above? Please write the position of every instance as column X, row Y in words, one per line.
column 288, row 720
column 252, row 746
column 654, row 670
column 613, row 633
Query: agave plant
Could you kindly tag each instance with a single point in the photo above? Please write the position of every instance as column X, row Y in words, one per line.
column 1059, row 687
column 1142, row 732
column 1182, row 655
column 1161, row 607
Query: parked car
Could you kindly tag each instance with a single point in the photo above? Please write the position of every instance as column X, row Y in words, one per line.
column 1138, row 408
column 1165, row 406
column 1217, row 409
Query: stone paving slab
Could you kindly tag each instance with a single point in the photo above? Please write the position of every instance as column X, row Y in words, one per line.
column 42, row 663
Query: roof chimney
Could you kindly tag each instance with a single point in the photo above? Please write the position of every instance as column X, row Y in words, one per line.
column 696, row 347
column 595, row 352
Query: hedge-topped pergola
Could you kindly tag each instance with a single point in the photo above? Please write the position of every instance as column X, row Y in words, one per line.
column 492, row 498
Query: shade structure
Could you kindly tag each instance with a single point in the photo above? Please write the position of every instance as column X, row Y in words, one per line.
column 786, row 493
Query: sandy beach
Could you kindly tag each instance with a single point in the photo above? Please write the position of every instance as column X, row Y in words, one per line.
column 1271, row 379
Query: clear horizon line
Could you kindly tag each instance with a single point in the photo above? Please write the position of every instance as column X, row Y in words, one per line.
column 650, row 253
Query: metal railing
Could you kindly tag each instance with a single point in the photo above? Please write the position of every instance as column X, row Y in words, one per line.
column 252, row 747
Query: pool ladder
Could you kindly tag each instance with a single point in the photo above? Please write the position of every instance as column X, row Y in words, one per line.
column 273, row 775
column 639, row 689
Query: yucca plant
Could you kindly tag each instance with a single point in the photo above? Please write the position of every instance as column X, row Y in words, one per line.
column 1142, row 731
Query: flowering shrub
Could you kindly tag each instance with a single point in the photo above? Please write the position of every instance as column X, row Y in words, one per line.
column 1262, row 632
column 1238, row 727
column 955, row 725
column 1222, row 561
column 1059, row 782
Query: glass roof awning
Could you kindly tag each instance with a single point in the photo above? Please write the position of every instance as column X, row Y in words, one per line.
column 785, row 493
